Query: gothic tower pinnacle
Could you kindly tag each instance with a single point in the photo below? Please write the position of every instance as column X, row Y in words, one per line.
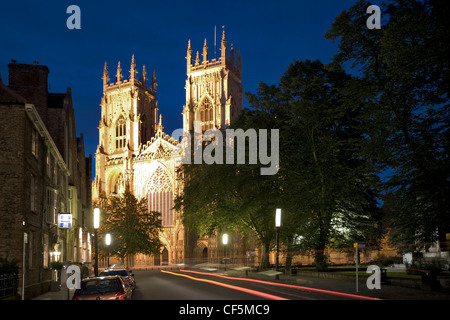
column 189, row 56
column 223, row 48
column 154, row 84
column 144, row 76
column 214, row 93
column 105, row 76
column 119, row 73
column 205, row 53
column 133, row 71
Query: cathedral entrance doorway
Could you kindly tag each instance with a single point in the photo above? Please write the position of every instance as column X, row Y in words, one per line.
column 165, row 257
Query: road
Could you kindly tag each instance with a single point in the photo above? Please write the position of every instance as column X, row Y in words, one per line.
column 191, row 285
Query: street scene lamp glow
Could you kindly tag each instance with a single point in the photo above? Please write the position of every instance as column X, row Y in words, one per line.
column 278, row 218
column 225, row 238
column 108, row 239
column 96, row 218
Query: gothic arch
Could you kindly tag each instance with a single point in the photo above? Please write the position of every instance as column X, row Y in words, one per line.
column 116, row 182
column 159, row 191
column 143, row 129
column 120, row 132
column 205, row 112
column 165, row 256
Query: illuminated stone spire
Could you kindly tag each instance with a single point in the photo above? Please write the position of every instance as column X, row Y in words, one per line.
column 160, row 126
column 144, row 76
column 223, row 48
column 197, row 59
column 119, row 74
column 133, row 71
column 105, row 75
column 189, row 56
column 232, row 55
column 154, row 84
column 205, row 53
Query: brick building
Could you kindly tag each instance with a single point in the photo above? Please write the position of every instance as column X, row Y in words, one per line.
column 43, row 172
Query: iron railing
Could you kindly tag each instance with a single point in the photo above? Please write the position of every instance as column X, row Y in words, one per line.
column 8, row 285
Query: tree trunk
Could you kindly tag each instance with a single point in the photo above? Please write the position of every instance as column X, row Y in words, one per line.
column 320, row 257
column 264, row 259
column 289, row 253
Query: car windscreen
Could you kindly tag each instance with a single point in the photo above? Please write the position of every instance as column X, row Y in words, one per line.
column 98, row 286
column 122, row 273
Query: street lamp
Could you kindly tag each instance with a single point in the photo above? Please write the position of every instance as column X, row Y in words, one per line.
column 96, row 225
column 277, row 226
column 225, row 242
column 107, row 242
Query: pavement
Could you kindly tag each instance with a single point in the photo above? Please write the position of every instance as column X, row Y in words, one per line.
column 54, row 295
column 387, row 291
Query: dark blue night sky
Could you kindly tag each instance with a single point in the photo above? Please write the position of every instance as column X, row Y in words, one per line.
column 270, row 35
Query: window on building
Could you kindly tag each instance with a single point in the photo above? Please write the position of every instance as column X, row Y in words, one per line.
column 160, row 196
column 51, row 206
column 47, row 163
column 55, row 171
column 33, row 193
column 34, row 142
column 46, row 251
column 144, row 129
column 121, row 133
column 206, row 114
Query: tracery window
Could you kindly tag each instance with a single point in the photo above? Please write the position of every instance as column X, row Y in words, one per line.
column 206, row 114
column 160, row 196
column 144, row 129
column 121, row 133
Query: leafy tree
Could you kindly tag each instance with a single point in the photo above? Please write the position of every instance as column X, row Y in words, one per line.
column 324, row 186
column 328, row 186
column 229, row 197
column 133, row 229
column 405, row 67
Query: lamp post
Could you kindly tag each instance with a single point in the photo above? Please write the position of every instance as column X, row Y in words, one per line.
column 96, row 225
column 225, row 242
column 277, row 226
column 107, row 242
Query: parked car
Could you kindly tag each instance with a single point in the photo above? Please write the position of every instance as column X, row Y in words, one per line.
column 103, row 288
column 124, row 273
column 117, row 266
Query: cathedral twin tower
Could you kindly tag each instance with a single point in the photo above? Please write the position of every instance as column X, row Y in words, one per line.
column 134, row 152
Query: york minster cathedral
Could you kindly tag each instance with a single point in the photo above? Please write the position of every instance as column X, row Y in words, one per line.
column 134, row 152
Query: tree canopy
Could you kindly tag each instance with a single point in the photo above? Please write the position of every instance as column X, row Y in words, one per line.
column 132, row 227
column 370, row 127
column 405, row 66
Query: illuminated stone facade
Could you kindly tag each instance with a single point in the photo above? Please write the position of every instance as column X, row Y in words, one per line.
column 135, row 152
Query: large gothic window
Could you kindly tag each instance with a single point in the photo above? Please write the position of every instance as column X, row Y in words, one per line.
column 160, row 196
column 121, row 133
column 144, row 129
column 206, row 114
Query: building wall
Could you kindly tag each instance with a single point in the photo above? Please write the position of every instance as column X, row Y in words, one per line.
column 29, row 111
column 25, row 180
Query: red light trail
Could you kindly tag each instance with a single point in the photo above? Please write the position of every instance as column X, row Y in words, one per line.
column 342, row 294
column 250, row 291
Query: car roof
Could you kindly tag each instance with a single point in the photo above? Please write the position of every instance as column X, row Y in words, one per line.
column 118, row 269
column 102, row 277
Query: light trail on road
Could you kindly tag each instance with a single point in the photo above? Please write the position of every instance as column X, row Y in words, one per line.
column 341, row 294
column 250, row 291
